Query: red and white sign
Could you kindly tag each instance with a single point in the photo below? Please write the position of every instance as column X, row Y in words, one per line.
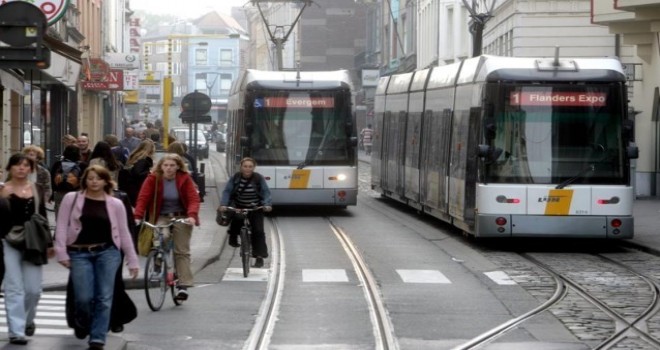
column 558, row 98
column 53, row 9
column 114, row 81
column 299, row 102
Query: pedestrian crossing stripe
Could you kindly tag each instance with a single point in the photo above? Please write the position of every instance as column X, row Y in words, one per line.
column 51, row 315
column 340, row 275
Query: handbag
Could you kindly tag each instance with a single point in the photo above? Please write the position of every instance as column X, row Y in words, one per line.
column 16, row 235
column 146, row 235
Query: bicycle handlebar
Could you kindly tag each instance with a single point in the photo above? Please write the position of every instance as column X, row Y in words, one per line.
column 161, row 226
column 244, row 210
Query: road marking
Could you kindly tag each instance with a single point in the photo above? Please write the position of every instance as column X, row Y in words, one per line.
column 500, row 277
column 51, row 316
column 324, row 275
column 423, row 276
column 236, row 274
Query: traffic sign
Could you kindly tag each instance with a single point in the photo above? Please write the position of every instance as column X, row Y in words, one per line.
column 196, row 104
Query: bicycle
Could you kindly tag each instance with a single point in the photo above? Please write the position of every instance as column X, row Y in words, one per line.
column 246, row 236
column 160, row 271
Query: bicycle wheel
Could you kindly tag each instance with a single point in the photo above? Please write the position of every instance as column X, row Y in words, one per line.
column 155, row 280
column 245, row 251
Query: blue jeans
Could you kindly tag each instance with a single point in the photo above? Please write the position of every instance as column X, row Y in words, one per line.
column 93, row 276
column 22, row 290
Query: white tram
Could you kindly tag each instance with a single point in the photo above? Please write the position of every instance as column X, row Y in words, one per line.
column 299, row 127
column 510, row 147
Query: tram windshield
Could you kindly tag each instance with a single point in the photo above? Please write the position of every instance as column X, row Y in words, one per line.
column 549, row 134
column 301, row 128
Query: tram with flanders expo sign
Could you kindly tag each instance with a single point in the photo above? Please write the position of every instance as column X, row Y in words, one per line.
column 510, row 147
column 299, row 127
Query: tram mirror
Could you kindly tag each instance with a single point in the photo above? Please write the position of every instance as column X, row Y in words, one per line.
column 490, row 129
column 483, row 151
column 245, row 141
column 249, row 127
column 488, row 153
column 632, row 152
column 628, row 129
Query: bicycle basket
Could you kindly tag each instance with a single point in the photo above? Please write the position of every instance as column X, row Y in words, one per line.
column 223, row 218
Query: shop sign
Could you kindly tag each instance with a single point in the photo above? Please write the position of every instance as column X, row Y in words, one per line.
column 95, row 69
column 53, row 9
column 370, row 77
column 113, row 81
column 122, row 60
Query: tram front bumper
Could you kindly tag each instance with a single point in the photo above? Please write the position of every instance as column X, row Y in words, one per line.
column 325, row 196
column 492, row 225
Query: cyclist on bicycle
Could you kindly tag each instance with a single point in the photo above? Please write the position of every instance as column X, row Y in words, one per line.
column 245, row 190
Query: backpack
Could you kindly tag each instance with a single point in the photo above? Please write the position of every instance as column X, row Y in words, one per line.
column 67, row 177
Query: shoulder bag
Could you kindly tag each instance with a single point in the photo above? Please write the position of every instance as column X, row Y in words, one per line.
column 16, row 235
column 146, row 235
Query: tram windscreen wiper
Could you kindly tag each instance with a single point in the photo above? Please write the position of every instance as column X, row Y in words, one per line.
column 585, row 171
column 301, row 165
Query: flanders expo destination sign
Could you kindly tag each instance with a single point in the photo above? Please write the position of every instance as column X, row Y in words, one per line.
column 558, row 98
column 53, row 9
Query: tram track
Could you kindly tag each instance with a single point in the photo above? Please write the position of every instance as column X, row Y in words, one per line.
column 629, row 313
column 383, row 329
column 265, row 323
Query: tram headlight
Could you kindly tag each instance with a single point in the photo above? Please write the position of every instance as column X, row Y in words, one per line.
column 339, row 177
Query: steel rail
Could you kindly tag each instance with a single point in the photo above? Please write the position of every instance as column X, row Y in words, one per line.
column 382, row 325
column 262, row 331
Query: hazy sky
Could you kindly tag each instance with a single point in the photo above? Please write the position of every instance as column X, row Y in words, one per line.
column 186, row 8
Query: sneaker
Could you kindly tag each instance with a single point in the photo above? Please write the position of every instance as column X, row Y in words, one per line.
column 18, row 340
column 259, row 262
column 233, row 241
column 181, row 294
column 30, row 328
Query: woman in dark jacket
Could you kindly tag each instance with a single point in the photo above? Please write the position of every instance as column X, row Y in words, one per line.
column 137, row 169
column 23, row 278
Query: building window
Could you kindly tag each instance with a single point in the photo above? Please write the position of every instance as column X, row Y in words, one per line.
column 200, row 83
column 225, row 84
column 201, row 57
column 226, row 57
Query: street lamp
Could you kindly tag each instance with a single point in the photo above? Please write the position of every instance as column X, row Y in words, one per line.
column 480, row 12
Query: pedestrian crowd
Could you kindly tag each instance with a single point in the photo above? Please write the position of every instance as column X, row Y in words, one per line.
column 100, row 196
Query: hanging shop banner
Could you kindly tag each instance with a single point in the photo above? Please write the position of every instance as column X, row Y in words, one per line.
column 122, row 60
column 53, row 9
column 114, row 81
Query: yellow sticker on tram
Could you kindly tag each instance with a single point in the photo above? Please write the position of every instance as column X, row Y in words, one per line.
column 299, row 178
column 558, row 202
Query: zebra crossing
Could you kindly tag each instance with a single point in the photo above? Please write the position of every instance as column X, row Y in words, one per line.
column 51, row 317
column 340, row 275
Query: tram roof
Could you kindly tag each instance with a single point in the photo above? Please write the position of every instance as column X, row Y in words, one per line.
column 496, row 68
column 292, row 80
